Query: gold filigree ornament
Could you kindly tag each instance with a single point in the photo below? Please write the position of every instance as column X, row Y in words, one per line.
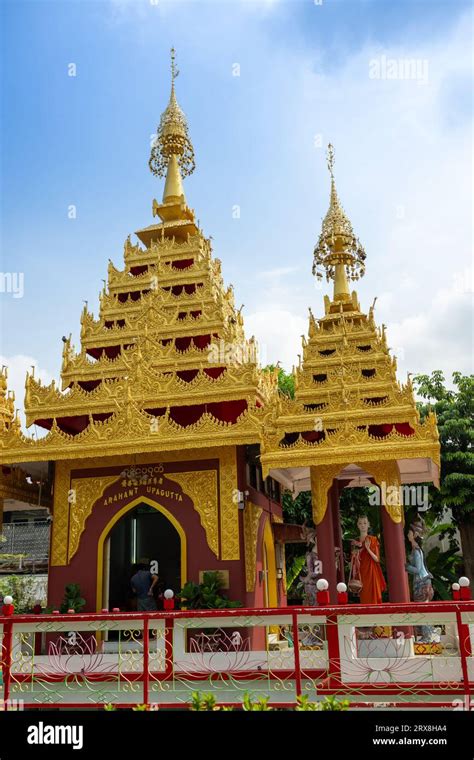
column 201, row 487
column 84, row 492
column 172, row 136
column 252, row 515
column 337, row 244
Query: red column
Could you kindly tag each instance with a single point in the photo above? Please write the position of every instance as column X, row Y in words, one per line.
column 395, row 558
column 335, row 493
column 325, row 545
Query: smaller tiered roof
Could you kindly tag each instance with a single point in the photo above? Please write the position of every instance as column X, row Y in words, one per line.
column 349, row 407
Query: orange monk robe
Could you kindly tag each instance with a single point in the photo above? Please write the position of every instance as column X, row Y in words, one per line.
column 373, row 582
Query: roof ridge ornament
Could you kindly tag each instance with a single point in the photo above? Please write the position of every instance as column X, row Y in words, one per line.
column 338, row 250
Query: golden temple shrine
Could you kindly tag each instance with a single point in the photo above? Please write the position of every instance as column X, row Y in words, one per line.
column 167, row 440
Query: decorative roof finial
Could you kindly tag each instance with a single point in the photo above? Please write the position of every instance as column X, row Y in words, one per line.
column 172, row 143
column 330, row 160
column 338, row 250
column 174, row 70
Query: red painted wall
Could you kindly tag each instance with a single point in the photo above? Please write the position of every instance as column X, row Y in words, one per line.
column 83, row 566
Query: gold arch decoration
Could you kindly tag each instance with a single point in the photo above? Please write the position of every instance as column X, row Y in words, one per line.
column 388, row 473
column 201, row 487
column 322, row 478
column 59, row 540
column 85, row 492
column 113, row 520
column 252, row 515
column 229, row 510
column 229, row 517
column 269, row 560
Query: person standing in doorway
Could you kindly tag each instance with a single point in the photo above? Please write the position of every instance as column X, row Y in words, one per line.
column 143, row 583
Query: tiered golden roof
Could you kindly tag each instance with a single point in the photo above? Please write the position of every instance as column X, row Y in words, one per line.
column 165, row 365
column 348, row 406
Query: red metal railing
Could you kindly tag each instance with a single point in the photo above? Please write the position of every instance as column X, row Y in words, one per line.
column 363, row 653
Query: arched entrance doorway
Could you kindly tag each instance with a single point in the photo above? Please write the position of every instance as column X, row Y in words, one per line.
column 142, row 530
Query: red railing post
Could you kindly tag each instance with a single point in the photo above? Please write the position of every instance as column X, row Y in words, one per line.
column 334, row 655
column 7, row 657
column 146, row 660
column 465, row 651
column 169, row 623
column 296, row 649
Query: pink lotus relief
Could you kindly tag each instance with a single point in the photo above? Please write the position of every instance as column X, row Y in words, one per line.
column 80, row 657
column 220, row 652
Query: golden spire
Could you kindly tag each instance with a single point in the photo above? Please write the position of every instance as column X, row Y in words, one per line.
column 338, row 250
column 172, row 152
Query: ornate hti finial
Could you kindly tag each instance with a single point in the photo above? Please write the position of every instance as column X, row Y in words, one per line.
column 174, row 70
column 330, row 160
column 172, row 136
column 338, row 250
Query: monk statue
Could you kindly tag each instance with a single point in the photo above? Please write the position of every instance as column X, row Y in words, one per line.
column 366, row 577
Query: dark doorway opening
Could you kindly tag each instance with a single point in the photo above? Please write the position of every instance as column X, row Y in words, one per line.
column 142, row 533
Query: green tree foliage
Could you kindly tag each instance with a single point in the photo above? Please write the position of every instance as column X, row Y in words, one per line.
column 22, row 591
column 298, row 510
column 286, row 380
column 455, row 413
column 293, row 572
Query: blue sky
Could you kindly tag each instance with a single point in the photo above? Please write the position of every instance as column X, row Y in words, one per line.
column 403, row 159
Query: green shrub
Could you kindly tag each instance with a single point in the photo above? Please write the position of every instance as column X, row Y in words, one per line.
column 206, row 595
column 304, row 705
column 72, row 599
column 203, row 702
column 259, row 705
column 333, row 703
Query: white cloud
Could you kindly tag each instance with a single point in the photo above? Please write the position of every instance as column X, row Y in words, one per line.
column 438, row 334
column 278, row 334
column 404, row 179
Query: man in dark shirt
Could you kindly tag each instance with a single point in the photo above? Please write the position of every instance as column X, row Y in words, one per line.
column 143, row 583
